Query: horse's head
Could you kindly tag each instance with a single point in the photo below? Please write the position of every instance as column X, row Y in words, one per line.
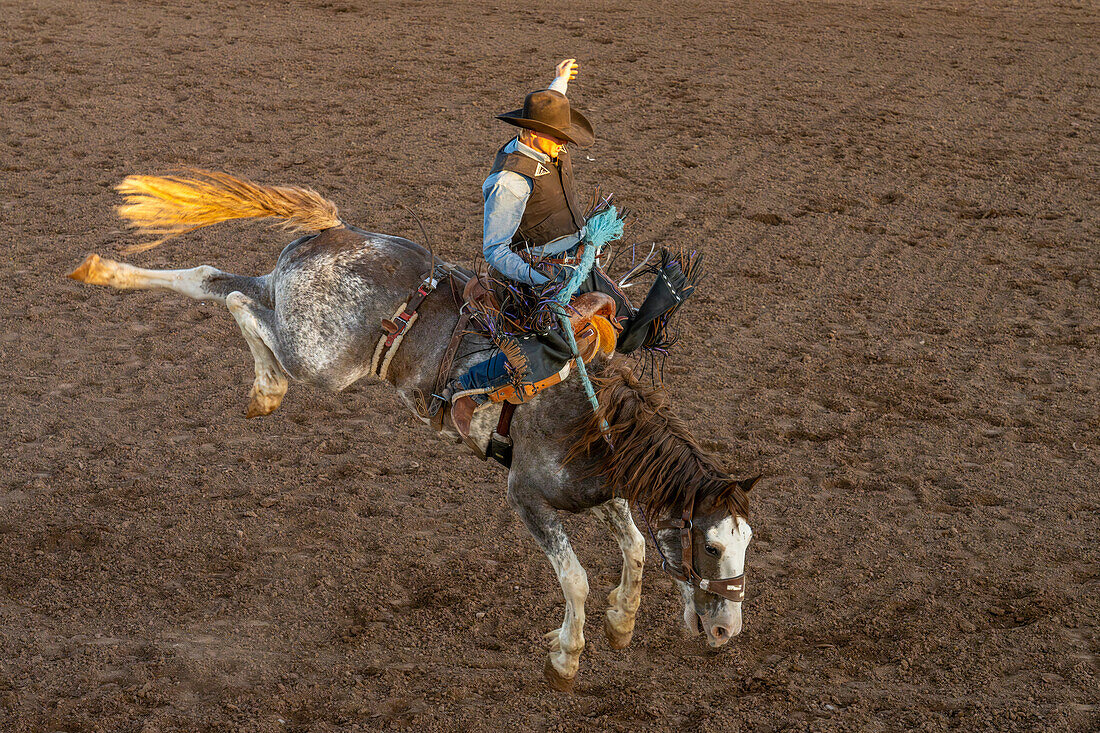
column 645, row 455
column 712, row 591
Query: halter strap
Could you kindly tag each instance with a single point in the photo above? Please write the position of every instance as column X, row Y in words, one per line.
column 687, row 546
column 732, row 589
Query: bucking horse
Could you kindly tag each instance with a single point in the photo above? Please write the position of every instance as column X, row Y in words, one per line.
column 338, row 294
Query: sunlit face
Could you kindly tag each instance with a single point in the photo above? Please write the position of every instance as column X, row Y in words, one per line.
column 543, row 143
column 720, row 543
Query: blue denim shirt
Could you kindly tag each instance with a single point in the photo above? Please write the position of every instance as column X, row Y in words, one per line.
column 505, row 194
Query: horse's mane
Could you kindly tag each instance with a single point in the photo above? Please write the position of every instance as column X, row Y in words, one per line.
column 655, row 460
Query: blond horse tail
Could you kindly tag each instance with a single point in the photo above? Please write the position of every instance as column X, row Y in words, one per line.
column 167, row 206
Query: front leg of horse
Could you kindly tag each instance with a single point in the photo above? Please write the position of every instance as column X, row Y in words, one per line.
column 566, row 642
column 624, row 600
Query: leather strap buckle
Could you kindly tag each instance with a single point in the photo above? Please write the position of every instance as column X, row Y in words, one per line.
column 396, row 327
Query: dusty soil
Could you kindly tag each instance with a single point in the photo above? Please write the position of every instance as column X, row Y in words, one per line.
column 898, row 202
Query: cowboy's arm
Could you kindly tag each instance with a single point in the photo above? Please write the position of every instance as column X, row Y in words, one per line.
column 506, row 195
column 566, row 71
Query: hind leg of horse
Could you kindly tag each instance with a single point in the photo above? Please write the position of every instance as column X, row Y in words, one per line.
column 624, row 599
column 257, row 327
column 201, row 283
column 566, row 642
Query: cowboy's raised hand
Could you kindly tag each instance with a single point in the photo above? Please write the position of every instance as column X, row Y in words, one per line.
column 568, row 69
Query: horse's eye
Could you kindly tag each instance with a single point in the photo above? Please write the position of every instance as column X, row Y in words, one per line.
column 712, row 551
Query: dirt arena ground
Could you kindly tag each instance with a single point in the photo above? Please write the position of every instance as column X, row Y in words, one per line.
column 899, row 205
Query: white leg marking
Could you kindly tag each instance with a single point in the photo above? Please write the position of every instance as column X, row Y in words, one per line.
column 98, row 271
column 624, row 599
column 567, row 642
column 271, row 381
column 544, row 525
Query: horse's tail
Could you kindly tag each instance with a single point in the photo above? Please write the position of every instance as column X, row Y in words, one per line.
column 171, row 205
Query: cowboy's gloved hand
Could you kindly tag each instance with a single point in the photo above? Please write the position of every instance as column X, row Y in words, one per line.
column 558, row 274
column 568, row 69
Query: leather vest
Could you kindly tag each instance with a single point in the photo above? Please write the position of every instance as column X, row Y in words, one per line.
column 552, row 210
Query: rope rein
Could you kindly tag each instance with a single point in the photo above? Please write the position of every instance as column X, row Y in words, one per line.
column 602, row 228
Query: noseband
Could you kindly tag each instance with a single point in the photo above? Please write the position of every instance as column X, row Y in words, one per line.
column 732, row 589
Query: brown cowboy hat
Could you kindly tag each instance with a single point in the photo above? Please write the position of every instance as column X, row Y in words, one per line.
column 548, row 112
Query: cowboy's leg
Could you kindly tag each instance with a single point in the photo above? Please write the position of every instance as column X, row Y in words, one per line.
column 490, row 373
column 544, row 525
column 668, row 292
column 625, row 599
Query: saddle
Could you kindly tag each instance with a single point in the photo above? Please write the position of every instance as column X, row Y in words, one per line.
column 478, row 294
column 592, row 319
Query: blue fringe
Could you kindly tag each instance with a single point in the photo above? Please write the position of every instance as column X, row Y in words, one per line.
column 599, row 230
column 602, row 228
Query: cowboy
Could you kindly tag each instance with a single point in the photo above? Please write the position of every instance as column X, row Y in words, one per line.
column 534, row 230
column 530, row 203
column 533, row 223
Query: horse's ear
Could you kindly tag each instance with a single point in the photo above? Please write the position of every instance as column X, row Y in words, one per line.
column 746, row 484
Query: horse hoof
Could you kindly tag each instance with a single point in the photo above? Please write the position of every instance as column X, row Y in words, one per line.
column 554, row 678
column 261, row 405
column 618, row 640
column 89, row 271
column 256, row 409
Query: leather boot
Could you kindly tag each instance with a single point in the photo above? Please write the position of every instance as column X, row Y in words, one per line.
column 462, row 412
column 434, row 407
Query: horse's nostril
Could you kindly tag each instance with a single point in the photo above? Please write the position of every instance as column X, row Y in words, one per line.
column 720, row 633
